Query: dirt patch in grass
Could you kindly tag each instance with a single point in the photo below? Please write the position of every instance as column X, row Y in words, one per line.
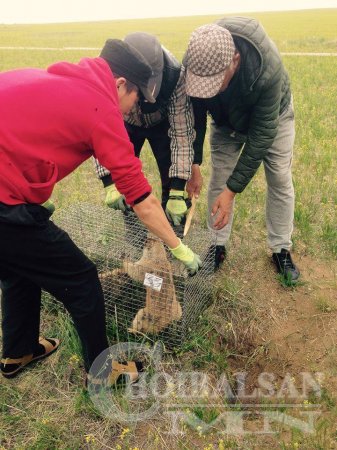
column 296, row 332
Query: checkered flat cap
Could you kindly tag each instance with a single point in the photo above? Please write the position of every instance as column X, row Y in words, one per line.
column 209, row 53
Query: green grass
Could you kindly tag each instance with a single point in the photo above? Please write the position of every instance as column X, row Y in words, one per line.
column 46, row 408
column 291, row 31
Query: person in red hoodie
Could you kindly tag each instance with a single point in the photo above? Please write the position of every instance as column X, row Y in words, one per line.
column 50, row 122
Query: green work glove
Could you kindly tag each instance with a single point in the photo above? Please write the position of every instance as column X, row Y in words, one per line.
column 49, row 205
column 176, row 207
column 186, row 256
column 114, row 199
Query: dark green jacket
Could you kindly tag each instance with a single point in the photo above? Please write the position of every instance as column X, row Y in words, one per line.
column 258, row 93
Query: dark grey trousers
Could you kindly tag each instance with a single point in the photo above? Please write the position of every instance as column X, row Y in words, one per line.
column 225, row 151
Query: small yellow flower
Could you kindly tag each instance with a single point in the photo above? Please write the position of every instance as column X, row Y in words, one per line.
column 74, row 360
column 45, row 421
column 124, row 432
column 199, row 430
column 209, row 447
column 89, row 438
column 229, row 326
column 221, row 445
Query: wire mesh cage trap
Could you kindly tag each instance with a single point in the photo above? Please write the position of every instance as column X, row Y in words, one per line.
column 147, row 292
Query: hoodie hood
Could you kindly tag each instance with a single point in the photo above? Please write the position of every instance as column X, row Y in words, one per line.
column 94, row 71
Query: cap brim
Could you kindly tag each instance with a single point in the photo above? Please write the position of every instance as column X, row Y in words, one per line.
column 155, row 84
column 203, row 87
column 151, row 91
column 147, row 94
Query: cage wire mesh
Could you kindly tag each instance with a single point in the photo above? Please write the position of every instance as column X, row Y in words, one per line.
column 147, row 292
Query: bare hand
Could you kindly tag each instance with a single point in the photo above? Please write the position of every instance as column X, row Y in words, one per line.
column 222, row 208
column 194, row 185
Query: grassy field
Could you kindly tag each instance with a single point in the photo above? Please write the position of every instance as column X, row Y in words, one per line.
column 254, row 324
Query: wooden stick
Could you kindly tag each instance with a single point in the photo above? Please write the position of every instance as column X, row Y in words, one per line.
column 190, row 216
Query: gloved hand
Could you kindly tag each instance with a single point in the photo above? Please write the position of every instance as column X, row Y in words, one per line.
column 186, row 256
column 114, row 199
column 49, row 205
column 176, row 208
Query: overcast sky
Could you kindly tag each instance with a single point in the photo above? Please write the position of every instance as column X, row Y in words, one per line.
column 41, row 11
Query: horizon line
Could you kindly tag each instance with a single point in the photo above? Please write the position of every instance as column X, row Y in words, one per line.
column 164, row 17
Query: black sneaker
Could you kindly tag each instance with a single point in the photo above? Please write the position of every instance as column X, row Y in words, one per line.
column 216, row 255
column 220, row 256
column 286, row 267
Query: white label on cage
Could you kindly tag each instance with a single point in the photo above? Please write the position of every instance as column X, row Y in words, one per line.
column 153, row 282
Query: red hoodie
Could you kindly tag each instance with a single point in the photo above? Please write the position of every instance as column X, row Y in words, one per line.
column 52, row 120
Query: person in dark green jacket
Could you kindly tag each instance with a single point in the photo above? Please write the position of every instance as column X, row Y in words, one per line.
column 234, row 72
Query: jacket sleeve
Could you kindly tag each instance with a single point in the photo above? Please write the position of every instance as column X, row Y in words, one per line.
column 114, row 150
column 181, row 131
column 261, row 134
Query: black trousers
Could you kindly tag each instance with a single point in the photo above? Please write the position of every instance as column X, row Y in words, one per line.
column 35, row 254
column 160, row 144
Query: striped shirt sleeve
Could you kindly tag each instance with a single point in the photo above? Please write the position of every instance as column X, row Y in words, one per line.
column 100, row 170
column 181, row 131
